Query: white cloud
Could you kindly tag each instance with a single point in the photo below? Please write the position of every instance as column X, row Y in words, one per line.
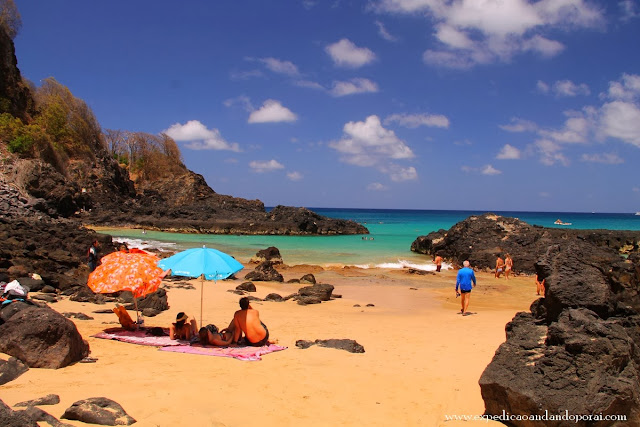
column 542, row 87
column 198, row 137
column 452, row 37
column 346, row 54
column 294, row 176
column 368, row 143
column 272, row 112
column 490, row 170
column 261, row 166
column 569, row 88
column 376, row 186
column 281, row 67
column 543, row 46
column 416, row 120
column 509, row 152
column 399, row 174
column 629, row 9
column 382, row 31
column 242, row 101
column 520, row 125
column 476, row 32
column 621, row 120
column 575, row 130
column 309, row 84
column 353, row 86
column 550, row 152
column 606, row 158
column 627, row 89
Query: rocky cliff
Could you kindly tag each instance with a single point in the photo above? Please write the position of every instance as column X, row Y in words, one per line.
column 85, row 182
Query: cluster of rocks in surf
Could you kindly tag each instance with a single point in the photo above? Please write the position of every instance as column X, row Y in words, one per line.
column 578, row 348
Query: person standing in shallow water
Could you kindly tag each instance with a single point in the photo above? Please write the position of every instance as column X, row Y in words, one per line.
column 438, row 262
column 465, row 281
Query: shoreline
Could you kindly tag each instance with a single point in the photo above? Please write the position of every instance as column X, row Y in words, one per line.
column 422, row 361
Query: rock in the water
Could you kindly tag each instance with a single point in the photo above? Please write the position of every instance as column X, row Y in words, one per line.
column 98, row 410
column 271, row 254
column 42, row 338
column 11, row 369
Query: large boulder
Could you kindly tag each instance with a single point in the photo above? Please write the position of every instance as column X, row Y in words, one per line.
column 320, row 291
column 578, row 349
column 11, row 418
column 98, row 410
column 42, row 338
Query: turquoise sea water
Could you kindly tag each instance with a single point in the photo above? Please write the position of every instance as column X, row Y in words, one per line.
column 388, row 245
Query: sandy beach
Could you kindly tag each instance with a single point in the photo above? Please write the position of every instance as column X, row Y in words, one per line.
column 422, row 359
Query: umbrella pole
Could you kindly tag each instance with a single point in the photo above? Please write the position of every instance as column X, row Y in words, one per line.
column 201, row 297
column 135, row 301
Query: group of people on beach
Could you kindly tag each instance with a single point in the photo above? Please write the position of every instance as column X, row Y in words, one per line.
column 504, row 266
column 245, row 328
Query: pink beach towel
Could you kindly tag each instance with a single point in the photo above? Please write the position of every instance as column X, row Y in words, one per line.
column 240, row 353
column 138, row 337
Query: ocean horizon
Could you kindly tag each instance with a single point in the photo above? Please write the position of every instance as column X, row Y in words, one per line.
column 387, row 246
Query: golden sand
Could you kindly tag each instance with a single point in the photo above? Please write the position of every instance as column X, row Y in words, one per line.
column 422, row 359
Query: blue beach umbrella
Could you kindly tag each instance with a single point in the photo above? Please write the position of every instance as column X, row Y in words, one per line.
column 206, row 263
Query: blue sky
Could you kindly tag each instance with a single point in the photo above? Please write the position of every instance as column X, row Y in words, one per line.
column 408, row 104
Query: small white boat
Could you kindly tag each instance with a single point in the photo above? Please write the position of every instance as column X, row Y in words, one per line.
column 638, row 213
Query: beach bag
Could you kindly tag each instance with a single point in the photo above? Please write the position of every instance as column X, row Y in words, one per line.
column 14, row 290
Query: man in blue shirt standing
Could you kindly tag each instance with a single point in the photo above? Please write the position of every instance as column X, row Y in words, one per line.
column 465, row 281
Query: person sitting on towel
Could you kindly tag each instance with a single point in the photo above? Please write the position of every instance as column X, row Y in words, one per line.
column 247, row 321
column 183, row 330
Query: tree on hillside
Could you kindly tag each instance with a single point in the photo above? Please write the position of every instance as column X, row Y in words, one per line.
column 148, row 157
column 72, row 126
column 10, row 18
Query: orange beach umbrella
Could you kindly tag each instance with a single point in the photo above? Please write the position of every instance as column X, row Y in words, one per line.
column 135, row 271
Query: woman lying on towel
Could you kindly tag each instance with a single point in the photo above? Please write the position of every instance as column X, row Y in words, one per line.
column 209, row 335
column 181, row 330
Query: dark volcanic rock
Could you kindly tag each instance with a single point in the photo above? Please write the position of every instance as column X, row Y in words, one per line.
column 98, row 410
column 11, row 418
column 49, row 399
column 270, row 254
column 42, row 338
column 480, row 239
column 308, row 278
column 264, row 272
column 351, row 346
column 247, row 287
column 319, row 290
column 11, row 369
column 15, row 96
column 37, row 414
column 578, row 350
column 54, row 249
column 274, row 297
